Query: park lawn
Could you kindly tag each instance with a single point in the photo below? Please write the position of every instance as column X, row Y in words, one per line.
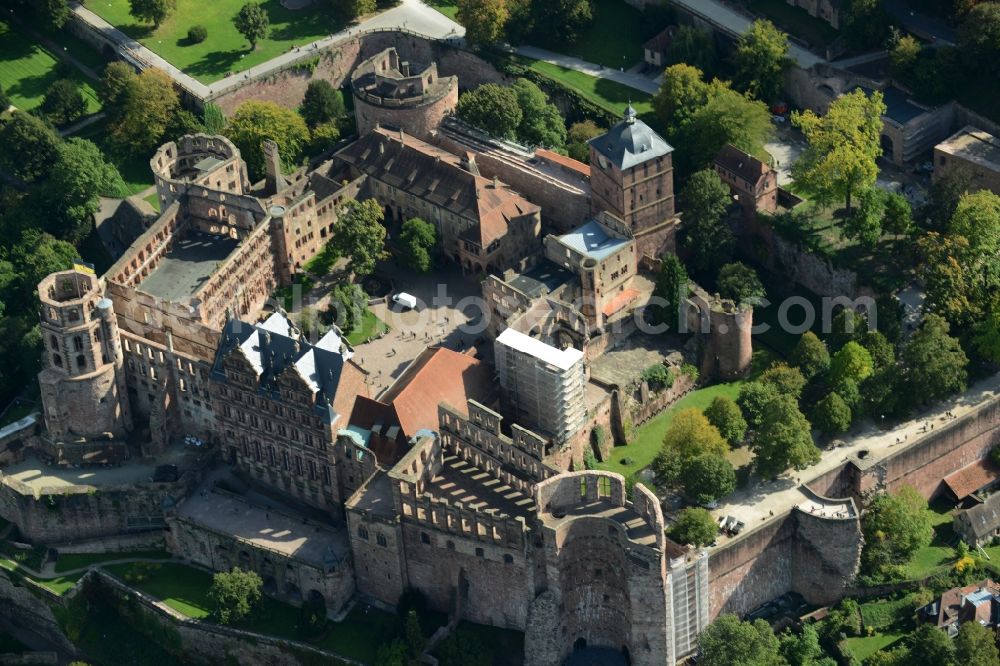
column 59, row 585
column 609, row 95
column 27, row 69
column 370, row 327
column 446, row 7
column 225, row 50
column 818, row 34
column 615, row 37
column 183, row 588
column 649, row 436
column 154, row 201
column 70, row 561
column 862, row 647
column 941, row 552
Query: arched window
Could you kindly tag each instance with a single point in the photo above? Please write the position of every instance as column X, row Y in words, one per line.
column 604, row 487
column 81, row 362
column 381, row 540
column 54, row 342
column 57, row 360
column 363, row 532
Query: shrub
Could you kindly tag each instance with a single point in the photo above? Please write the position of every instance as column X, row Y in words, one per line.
column 658, row 377
column 197, row 34
column 689, row 370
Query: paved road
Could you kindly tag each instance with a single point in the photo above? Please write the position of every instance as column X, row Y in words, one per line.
column 410, row 15
column 728, row 19
column 632, row 80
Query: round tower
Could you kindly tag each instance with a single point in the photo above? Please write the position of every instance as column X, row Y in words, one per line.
column 82, row 381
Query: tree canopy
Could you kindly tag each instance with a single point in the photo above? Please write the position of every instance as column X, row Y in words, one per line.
column 63, row 102
column 154, row 11
column 810, row 355
column 784, row 439
column 694, row 526
column 360, row 235
column 726, row 416
column 577, row 137
column 691, row 434
column 28, row 147
column 935, row 364
column 894, row 526
column 843, row 145
column 236, row 595
column 541, row 122
column 729, row 641
column 322, row 103
column 145, row 108
column 706, row 236
column 670, row 290
column 254, row 122
column 484, row 20
column 740, row 283
column 761, row 59
column 832, row 415
column 493, row 109
column 418, row 238
column 253, row 23
column 707, row 477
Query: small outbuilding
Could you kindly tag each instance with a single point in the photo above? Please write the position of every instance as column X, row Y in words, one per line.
column 978, row 525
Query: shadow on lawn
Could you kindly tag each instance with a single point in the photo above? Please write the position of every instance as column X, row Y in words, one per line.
column 216, row 63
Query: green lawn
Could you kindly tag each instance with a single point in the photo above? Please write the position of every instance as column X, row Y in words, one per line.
column 862, row 647
column 154, row 201
column 225, row 50
column 183, row 588
column 796, row 21
column 649, row 436
column 941, row 552
column 70, row 561
column 27, row 70
column 370, row 327
column 612, row 96
column 446, row 7
column 614, row 39
column 60, row 585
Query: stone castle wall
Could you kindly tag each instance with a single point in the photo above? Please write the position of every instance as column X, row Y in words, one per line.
column 753, row 569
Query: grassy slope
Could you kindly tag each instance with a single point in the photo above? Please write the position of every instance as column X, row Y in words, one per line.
column 608, row 94
column 225, row 49
column 648, row 437
column 70, row 561
column 614, row 39
column 27, row 70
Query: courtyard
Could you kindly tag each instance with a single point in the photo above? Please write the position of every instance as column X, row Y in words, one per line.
column 37, row 474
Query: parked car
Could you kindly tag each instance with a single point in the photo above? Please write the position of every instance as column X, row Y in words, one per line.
column 406, row 300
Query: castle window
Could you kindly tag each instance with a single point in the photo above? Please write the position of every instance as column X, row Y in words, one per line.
column 363, row 532
column 57, row 360
column 257, row 452
column 604, row 487
column 74, row 315
column 326, row 475
column 479, row 552
column 81, row 362
column 53, row 342
column 284, row 460
column 312, row 470
column 583, row 487
column 508, row 559
column 425, row 538
column 381, row 540
column 270, row 454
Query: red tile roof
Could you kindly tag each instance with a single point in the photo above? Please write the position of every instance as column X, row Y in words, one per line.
column 971, row 478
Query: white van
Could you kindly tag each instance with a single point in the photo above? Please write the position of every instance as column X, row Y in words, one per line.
column 406, row 300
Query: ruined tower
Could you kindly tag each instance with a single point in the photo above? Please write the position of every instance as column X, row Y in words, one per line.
column 82, row 382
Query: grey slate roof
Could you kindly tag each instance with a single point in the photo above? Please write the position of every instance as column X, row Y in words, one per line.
column 631, row 142
column 984, row 518
column 272, row 348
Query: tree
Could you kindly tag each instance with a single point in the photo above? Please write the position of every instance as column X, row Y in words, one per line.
column 810, row 355
column 418, row 238
column 784, row 439
column 752, row 399
column 658, row 376
column 729, row 641
column 761, row 59
column 197, row 34
column 360, row 235
column 739, row 282
column 803, row 649
column 694, row 526
column 146, row 108
column 4, row 101
column 975, row 644
column 322, row 136
column 979, row 33
column 78, row 176
column 852, row 362
column 154, row 11
column 864, row 224
column 832, row 415
column 670, row 290
column 692, row 46
column 255, row 122
column 27, row 146
column 484, row 20
column 55, row 12
column 253, row 23
column 705, row 116
column 691, row 435
column 898, row 216
column 63, row 102
column 667, row 466
column 935, row 365
column 903, row 57
column 879, row 348
column 463, row 648
column 942, row 199
column 351, row 9
column 415, row 641
column 707, row 236
column 213, row 119
column 842, row 146
column 561, row 20
column 929, row 646
column 864, row 23
column 949, row 284
column 726, row 416
column 116, row 78
column 541, row 122
column 491, row 108
column 577, row 139
column 707, row 477
column 322, row 103
column 847, row 325
column 977, row 219
column 895, row 526
column 235, row 594
column 785, row 379
column 348, row 304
